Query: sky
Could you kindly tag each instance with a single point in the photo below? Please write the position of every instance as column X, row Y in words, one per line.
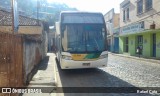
column 102, row 6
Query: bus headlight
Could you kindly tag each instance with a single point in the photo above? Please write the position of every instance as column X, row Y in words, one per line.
column 103, row 56
column 66, row 57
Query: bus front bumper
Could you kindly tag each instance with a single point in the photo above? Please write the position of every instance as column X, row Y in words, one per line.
column 71, row 64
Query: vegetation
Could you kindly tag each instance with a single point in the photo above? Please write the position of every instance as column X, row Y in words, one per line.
column 45, row 11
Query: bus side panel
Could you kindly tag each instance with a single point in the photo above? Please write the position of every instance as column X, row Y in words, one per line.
column 57, row 42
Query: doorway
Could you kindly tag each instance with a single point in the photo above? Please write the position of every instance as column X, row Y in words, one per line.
column 154, row 45
column 116, row 44
column 140, row 43
column 126, row 47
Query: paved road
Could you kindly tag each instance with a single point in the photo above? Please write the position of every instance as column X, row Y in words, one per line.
column 121, row 72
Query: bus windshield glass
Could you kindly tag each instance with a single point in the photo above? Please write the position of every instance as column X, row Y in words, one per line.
column 82, row 18
column 82, row 38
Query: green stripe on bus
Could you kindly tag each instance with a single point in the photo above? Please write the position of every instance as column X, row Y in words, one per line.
column 92, row 56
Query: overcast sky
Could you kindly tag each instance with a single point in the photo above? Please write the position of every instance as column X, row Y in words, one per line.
column 92, row 5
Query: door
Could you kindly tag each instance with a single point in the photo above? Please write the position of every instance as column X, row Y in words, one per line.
column 126, row 47
column 116, row 44
column 140, row 43
column 109, row 44
column 154, row 45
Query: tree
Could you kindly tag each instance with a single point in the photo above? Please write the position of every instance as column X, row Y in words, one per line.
column 47, row 11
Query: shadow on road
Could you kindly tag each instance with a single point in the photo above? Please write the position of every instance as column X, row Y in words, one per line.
column 44, row 64
column 41, row 66
column 95, row 79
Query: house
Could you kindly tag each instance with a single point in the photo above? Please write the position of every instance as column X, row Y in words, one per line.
column 140, row 26
column 112, row 24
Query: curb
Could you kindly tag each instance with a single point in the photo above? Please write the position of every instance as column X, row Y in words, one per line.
column 143, row 59
column 55, row 74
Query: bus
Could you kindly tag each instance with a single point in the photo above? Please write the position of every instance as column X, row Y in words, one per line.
column 81, row 40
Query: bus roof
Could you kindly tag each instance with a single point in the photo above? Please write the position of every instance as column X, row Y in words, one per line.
column 81, row 17
column 70, row 12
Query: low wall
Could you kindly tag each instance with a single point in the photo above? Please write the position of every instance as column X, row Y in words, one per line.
column 33, row 53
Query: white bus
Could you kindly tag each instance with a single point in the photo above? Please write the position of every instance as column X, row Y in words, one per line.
column 81, row 40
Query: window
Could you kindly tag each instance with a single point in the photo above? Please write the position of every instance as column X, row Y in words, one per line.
column 83, row 38
column 140, row 40
column 139, row 6
column 125, row 8
column 148, row 5
column 127, row 13
column 124, row 17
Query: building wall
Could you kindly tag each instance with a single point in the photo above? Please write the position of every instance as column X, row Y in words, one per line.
column 116, row 20
column 145, row 16
column 158, row 45
column 112, row 22
column 132, row 45
column 147, row 44
column 31, row 51
column 109, row 21
column 149, row 17
column 121, row 43
column 109, row 25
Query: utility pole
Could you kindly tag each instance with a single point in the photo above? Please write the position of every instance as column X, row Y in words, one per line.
column 38, row 11
column 12, row 10
column 15, row 16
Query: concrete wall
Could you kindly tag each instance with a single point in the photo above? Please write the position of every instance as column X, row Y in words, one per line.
column 33, row 53
column 23, row 29
column 45, row 43
column 116, row 20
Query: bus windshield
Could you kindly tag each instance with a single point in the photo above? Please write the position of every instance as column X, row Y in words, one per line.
column 83, row 38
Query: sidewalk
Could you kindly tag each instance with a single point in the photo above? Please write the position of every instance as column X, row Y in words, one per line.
column 44, row 77
column 134, row 57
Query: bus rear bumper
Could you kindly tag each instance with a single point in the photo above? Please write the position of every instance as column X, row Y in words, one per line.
column 71, row 64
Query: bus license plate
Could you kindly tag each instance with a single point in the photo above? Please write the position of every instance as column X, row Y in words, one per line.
column 86, row 64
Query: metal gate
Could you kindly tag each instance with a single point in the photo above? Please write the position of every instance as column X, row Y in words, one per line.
column 11, row 60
